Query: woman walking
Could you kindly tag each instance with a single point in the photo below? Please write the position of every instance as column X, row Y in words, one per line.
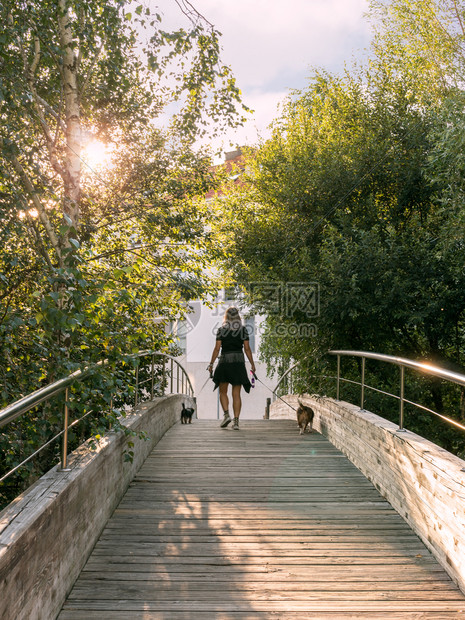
column 232, row 340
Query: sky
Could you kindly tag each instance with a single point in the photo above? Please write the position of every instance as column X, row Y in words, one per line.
column 272, row 46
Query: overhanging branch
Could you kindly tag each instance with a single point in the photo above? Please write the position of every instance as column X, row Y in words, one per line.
column 38, row 205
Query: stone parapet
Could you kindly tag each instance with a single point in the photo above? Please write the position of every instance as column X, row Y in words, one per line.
column 48, row 532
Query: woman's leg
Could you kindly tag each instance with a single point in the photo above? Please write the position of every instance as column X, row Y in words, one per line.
column 224, row 400
column 237, row 402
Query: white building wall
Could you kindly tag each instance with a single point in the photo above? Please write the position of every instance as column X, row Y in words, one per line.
column 199, row 340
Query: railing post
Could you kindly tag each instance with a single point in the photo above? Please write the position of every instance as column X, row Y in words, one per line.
column 137, row 384
column 267, row 409
column 362, row 395
column 110, row 411
column 153, row 376
column 338, row 377
column 401, row 401
column 177, row 379
column 171, row 377
column 64, row 448
column 163, row 376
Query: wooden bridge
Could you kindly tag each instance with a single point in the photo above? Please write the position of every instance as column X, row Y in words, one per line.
column 260, row 523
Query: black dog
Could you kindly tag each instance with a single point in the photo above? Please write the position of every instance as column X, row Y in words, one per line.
column 186, row 415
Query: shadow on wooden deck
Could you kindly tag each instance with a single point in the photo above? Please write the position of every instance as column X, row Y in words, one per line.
column 260, row 523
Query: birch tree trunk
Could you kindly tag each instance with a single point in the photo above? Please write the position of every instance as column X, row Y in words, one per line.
column 72, row 176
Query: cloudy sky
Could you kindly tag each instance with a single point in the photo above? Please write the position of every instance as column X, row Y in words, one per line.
column 272, row 45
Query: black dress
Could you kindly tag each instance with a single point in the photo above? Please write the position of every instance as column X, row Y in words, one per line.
column 231, row 365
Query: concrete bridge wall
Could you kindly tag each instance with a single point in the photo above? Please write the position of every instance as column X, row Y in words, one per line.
column 47, row 534
column 424, row 483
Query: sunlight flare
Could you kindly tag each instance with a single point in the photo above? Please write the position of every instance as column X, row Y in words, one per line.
column 97, row 154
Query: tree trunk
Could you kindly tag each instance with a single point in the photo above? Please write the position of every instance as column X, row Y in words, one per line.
column 72, row 180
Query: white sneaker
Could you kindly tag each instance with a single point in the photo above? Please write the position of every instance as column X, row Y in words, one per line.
column 236, row 424
column 226, row 420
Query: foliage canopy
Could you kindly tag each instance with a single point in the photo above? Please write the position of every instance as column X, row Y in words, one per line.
column 97, row 257
column 358, row 194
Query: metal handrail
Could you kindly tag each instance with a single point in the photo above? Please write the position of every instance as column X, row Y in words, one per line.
column 402, row 363
column 436, row 371
column 25, row 404
column 281, row 379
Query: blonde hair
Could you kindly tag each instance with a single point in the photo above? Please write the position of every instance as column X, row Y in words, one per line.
column 232, row 316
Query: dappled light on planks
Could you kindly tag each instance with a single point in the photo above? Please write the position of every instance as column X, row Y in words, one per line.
column 261, row 523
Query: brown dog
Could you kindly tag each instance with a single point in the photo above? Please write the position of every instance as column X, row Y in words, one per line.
column 305, row 417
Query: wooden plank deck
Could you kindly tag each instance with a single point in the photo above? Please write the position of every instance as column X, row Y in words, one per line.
column 260, row 523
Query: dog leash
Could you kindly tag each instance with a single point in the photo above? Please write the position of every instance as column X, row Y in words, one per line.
column 254, row 376
column 269, row 389
column 210, row 377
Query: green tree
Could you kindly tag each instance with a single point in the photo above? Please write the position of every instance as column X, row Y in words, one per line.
column 360, row 191
column 422, row 41
column 342, row 163
column 82, row 243
column 96, row 258
column 343, row 195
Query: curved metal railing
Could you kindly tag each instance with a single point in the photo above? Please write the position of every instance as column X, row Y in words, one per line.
column 285, row 379
column 402, row 363
column 179, row 380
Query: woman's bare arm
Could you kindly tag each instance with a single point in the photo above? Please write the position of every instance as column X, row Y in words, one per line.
column 215, row 353
column 248, row 352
